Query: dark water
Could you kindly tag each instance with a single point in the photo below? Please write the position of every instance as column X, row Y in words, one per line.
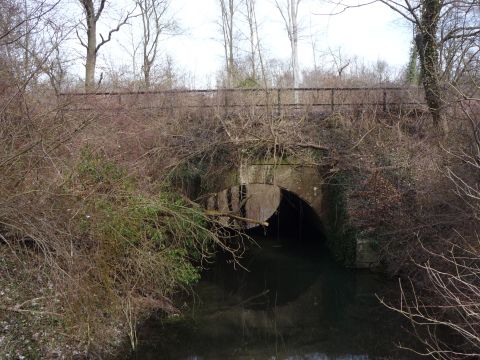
column 293, row 303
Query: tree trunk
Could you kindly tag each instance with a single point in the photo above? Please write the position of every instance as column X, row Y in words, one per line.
column 231, row 60
column 427, row 46
column 91, row 47
column 294, row 45
column 146, row 73
column 250, row 8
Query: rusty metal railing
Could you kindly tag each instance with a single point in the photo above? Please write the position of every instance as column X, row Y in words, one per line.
column 326, row 99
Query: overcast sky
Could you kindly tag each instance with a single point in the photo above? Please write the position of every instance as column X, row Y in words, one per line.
column 373, row 33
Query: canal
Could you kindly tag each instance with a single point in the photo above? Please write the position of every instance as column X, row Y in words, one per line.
column 288, row 300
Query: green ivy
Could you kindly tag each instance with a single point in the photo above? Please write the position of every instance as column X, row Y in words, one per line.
column 152, row 239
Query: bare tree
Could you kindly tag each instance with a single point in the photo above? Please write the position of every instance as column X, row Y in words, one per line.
column 30, row 41
column 445, row 33
column 17, row 23
column 155, row 22
column 250, row 17
column 314, row 46
column 254, row 42
column 132, row 48
column 454, row 290
column 427, row 45
column 228, row 11
column 289, row 11
column 459, row 37
column 46, row 54
column 339, row 60
column 93, row 10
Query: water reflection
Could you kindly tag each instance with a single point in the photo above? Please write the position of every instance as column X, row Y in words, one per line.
column 293, row 303
column 316, row 356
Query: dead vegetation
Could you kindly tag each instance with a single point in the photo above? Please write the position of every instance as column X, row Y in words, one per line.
column 94, row 211
column 97, row 226
column 89, row 244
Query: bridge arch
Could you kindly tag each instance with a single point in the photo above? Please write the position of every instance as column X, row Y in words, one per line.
column 304, row 182
column 255, row 191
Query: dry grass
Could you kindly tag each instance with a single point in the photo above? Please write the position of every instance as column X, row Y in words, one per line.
column 99, row 245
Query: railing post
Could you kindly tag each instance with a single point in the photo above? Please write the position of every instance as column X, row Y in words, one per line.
column 170, row 101
column 279, row 101
column 332, row 99
column 225, row 102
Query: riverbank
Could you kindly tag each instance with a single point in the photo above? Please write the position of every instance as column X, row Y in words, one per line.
column 100, row 254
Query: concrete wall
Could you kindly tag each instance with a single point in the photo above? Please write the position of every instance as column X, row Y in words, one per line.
column 304, row 181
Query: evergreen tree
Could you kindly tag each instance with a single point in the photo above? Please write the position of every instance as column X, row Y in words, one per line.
column 412, row 75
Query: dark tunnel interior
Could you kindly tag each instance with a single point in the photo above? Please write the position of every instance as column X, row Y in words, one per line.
column 285, row 260
column 294, row 223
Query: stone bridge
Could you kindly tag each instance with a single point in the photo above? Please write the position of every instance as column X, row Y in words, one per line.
column 253, row 192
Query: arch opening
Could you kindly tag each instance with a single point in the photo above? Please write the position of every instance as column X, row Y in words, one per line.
column 289, row 259
column 288, row 215
column 294, row 223
column 256, row 202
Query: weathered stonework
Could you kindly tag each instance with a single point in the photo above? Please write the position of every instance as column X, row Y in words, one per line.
column 253, row 201
column 304, row 181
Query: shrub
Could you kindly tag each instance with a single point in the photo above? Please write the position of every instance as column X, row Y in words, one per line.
column 112, row 250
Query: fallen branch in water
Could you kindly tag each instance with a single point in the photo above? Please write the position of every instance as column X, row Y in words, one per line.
column 254, row 297
column 235, row 217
